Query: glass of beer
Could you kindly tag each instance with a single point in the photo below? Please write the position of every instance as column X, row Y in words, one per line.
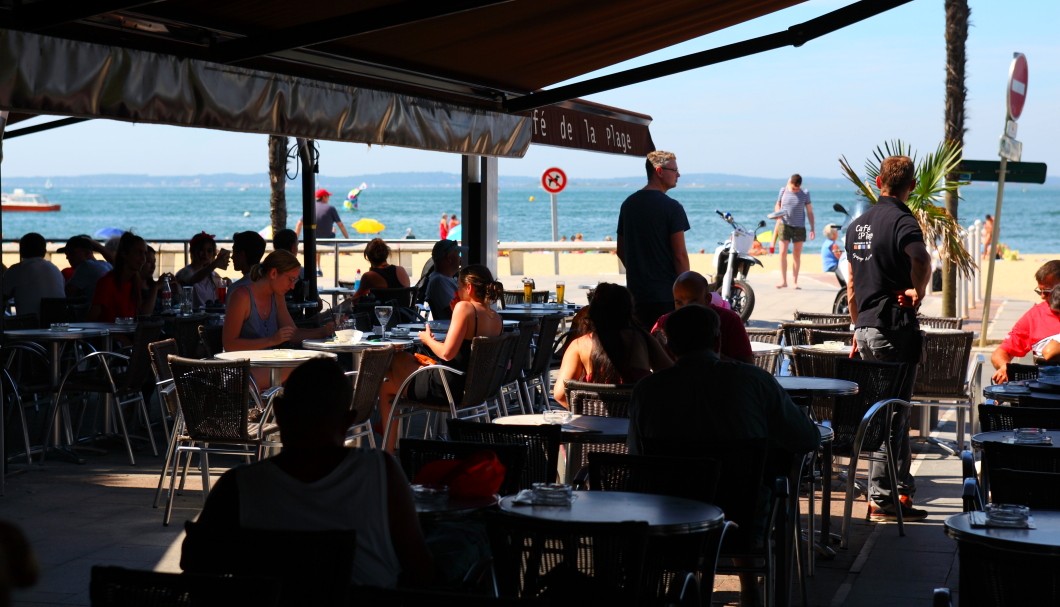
column 561, row 290
column 528, row 291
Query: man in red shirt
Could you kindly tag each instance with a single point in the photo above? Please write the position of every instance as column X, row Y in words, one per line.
column 693, row 288
column 1037, row 323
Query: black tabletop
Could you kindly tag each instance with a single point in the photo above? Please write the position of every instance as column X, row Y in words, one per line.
column 1009, row 436
column 665, row 514
column 581, row 428
column 816, row 386
column 1014, row 391
column 451, row 507
column 1043, row 540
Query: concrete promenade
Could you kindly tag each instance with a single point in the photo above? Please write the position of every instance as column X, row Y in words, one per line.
column 100, row 512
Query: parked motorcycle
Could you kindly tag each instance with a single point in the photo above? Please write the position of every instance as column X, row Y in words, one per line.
column 731, row 264
column 840, row 304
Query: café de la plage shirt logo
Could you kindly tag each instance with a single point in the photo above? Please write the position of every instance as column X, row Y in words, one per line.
column 862, row 245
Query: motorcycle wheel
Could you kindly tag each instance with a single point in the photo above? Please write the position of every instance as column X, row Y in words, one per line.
column 742, row 299
column 841, row 305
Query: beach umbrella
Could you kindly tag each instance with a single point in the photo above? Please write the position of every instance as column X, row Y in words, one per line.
column 105, row 233
column 766, row 237
column 456, row 233
column 367, row 225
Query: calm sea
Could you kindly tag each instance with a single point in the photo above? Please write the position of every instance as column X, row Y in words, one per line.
column 1030, row 221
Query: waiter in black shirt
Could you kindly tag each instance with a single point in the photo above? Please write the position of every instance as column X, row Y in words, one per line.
column 889, row 269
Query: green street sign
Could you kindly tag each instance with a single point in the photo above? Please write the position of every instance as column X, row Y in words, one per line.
column 1015, row 172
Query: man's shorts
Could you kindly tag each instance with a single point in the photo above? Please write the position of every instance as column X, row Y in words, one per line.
column 792, row 234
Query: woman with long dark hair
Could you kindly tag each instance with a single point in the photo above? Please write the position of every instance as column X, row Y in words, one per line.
column 616, row 350
column 120, row 292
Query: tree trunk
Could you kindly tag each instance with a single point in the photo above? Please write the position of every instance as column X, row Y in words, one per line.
column 278, row 182
column 957, row 13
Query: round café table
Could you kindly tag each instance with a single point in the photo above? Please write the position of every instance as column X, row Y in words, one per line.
column 355, row 349
column 761, row 347
column 273, row 360
column 1043, row 540
column 581, row 428
column 1009, row 436
column 802, row 386
column 450, row 508
column 537, row 310
column 665, row 515
column 1025, row 390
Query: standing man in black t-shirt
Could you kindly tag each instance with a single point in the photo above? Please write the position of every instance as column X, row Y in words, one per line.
column 889, row 270
column 651, row 239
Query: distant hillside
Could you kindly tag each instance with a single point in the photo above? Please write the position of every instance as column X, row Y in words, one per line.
column 410, row 180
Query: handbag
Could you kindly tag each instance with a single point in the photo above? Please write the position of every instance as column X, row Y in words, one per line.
column 477, row 475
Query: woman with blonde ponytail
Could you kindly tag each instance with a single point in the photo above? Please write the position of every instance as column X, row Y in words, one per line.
column 473, row 317
column 257, row 318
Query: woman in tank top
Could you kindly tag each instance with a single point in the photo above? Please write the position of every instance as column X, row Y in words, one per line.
column 472, row 317
column 382, row 275
column 257, row 318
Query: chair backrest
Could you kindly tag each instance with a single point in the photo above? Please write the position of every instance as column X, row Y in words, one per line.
column 209, row 340
column 692, row 478
column 521, row 350
column 815, row 362
column 1018, row 372
column 214, row 396
column 147, row 331
column 160, row 352
column 876, row 381
column 62, row 309
column 940, row 322
column 28, row 320
column 766, row 336
column 404, row 296
column 798, row 333
column 541, row 444
column 820, row 336
column 489, row 360
column 1034, row 458
column 121, row 587
column 823, row 318
column 544, row 341
column 314, row 567
column 371, row 370
column 996, row 417
column 414, row 453
column 421, row 282
column 516, row 297
column 1025, row 487
column 568, row 562
column 606, row 400
column 186, row 332
column 943, row 367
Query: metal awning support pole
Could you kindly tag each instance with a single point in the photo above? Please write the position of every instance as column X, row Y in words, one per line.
column 991, row 251
column 309, row 216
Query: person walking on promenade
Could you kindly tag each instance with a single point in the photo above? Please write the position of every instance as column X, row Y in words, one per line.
column 1036, row 324
column 651, row 239
column 795, row 202
column 327, row 217
column 889, row 271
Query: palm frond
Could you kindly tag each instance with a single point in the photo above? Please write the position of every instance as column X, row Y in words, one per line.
column 940, row 229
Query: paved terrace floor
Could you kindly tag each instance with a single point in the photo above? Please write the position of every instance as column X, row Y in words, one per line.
column 77, row 516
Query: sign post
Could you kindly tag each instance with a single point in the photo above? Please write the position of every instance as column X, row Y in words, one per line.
column 1010, row 149
column 553, row 180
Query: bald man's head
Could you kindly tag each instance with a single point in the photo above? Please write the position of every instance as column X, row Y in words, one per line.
column 691, row 288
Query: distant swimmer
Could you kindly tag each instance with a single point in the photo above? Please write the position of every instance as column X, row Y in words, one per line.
column 409, row 235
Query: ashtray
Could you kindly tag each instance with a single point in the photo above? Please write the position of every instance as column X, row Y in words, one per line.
column 557, row 416
column 430, row 494
column 399, row 332
column 1031, row 436
column 552, row 494
column 1007, row 515
column 60, row 326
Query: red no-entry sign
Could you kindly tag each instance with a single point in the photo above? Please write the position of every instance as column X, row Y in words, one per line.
column 554, row 180
column 1017, row 86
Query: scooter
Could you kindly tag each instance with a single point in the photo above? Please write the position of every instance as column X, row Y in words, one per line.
column 840, row 304
column 731, row 263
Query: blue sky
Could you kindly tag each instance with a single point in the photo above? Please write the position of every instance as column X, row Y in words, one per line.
column 789, row 110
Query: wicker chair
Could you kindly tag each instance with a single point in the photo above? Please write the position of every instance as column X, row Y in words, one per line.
column 1017, row 372
column 861, row 423
column 998, row 578
column 490, row 357
column 516, row 297
column 940, row 322
column 536, row 379
column 942, row 380
column 766, row 336
column 569, row 562
column 210, row 340
column 186, row 332
column 798, row 333
column 605, row 400
column 120, row 587
column 117, row 376
column 541, row 444
column 997, row 417
column 62, row 309
column 371, row 371
column 819, row 336
column 214, row 398
column 823, row 318
column 520, row 362
column 167, row 401
column 1034, row 458
column 26, row 386
column 416, row 452
column 972, row 495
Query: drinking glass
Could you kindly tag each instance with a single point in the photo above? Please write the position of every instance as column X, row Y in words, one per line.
column 383, row 314
column 185, row 300
column 561, row 291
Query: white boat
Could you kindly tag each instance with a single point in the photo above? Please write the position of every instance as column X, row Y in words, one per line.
column 19, row 200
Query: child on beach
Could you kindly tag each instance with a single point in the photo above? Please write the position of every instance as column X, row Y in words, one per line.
column 830, row 250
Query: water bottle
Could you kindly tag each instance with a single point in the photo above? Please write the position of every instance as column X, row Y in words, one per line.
column 167, row 294
column 357, row 280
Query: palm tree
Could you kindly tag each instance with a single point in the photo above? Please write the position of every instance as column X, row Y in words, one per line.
column 278, row 182
column 957, row 14
column 932, row 172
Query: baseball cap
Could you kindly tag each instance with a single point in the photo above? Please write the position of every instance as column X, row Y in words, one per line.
column 81, row 241
column 444, row 247
column 322, row 193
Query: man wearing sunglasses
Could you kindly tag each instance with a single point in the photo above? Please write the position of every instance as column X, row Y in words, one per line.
column 1036, row 324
